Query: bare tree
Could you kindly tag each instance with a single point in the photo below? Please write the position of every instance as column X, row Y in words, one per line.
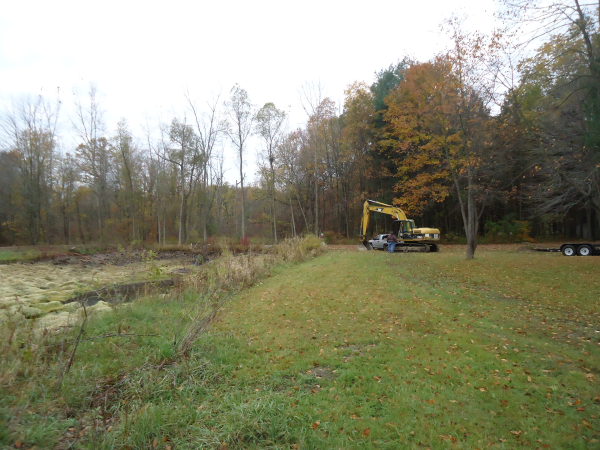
column 157, row 171
column 269, row 127
column 183, row 152
column 28, row 127
column 566, row 171
column 241, row 115
column 123, row 143
column 289, row 153
column 311, row 97
column 209, row 129
column 93, row 150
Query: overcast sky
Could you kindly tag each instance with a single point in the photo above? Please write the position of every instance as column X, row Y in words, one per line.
column 143, row 54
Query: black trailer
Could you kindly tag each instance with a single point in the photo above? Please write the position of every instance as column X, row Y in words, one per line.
column 580, row 249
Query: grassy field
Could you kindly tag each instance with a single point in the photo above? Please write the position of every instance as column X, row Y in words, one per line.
column 346, row 350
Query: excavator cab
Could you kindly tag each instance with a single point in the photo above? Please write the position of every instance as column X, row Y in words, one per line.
column 403, row 228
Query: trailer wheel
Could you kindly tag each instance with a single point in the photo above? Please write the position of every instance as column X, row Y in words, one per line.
column 584, row 250
column 568, row 250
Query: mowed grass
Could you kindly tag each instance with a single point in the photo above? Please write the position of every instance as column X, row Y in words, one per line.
column 430, row 350
column 356, row 350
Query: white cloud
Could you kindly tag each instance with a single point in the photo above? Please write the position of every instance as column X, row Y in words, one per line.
column 143, row 55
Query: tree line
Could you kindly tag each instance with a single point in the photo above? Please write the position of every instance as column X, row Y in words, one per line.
column 485, row 138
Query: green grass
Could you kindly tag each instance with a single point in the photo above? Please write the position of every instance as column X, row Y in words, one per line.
column 35, row 252
column 347, row 350
column 9, row 256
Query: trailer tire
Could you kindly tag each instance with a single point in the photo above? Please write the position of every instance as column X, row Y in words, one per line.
column 584, row 250
column 568, row 250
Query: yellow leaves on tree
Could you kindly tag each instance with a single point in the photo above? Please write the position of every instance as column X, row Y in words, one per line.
column 421, row 134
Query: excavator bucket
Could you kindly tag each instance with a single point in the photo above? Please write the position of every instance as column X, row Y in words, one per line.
column 364, row 245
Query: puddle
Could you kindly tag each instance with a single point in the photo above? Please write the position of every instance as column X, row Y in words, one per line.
column 122, row 292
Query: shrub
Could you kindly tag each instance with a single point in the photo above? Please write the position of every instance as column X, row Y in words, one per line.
column 508, row 230
column 332, row 238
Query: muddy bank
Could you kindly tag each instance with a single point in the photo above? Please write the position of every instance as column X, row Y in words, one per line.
column 124, row 258
column 122, row 292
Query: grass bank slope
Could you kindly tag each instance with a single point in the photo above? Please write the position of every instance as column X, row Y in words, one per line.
column 372, row 350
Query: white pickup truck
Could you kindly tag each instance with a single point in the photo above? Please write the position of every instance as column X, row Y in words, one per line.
column 379, row 242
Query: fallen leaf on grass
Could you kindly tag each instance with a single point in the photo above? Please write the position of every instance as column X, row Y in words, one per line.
column 430, row 401
column 315, row 425
column 482, row 389
column 516, row 433
column 366, row 432
column 580, row 409
column 18, row 444
column 155, row 443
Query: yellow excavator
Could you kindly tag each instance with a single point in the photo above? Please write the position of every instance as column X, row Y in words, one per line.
column 409, row 237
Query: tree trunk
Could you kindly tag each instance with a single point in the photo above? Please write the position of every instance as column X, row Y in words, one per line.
column 182, row 217
column 100, row 217
column 158, row 222
column 303, row 215
column 589, row 221
column 292, row 212
column 316, row 184
column 242, row 192
column 79, row 222
column 273, row 200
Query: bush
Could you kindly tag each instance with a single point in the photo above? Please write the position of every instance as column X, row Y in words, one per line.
column 508, row 230
column 332, row 238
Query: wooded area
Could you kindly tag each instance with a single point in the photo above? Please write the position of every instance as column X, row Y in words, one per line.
column 483, row 139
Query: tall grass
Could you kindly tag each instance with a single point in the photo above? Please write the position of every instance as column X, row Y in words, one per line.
column 231, row 272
